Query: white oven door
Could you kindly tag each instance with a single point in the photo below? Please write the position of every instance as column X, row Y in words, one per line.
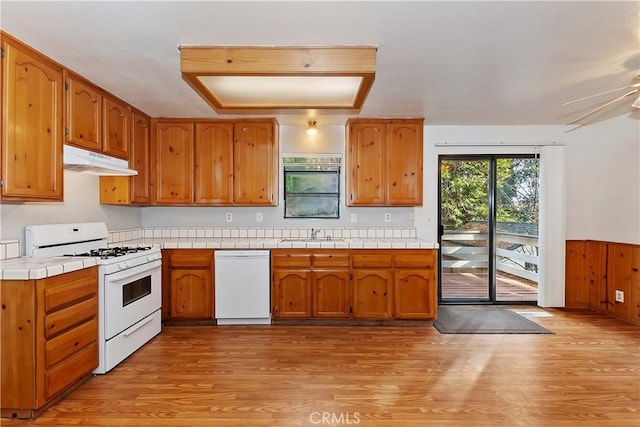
column 131, row 295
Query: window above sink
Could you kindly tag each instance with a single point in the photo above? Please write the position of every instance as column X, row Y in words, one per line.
column 312, row 186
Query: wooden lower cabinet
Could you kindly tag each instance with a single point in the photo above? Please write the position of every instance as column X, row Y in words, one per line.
column 595, row 270
column 415, row 286
column 330, row 290
column 414, row 294
column 353, row 284
column 49, row 338
column 187, row 284
column 292, row 293
column 372, row 294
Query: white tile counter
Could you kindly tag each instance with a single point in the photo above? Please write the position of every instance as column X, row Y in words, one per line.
column 277, row 243
column 25, row 268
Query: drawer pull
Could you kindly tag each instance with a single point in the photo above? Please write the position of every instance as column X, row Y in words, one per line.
column 140, row 325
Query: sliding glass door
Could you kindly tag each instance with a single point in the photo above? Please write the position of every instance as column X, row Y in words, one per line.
column 488, row 229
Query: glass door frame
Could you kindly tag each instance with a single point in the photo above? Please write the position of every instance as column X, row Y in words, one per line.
column 491, row 238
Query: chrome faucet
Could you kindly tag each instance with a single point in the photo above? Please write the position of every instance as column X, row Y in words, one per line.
column 314, row 233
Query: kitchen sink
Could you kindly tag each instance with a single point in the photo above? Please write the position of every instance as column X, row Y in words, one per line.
column 310, row 240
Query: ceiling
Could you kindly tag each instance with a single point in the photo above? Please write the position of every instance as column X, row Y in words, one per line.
column 453, row 63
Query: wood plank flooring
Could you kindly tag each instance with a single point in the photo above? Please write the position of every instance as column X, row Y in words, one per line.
column 587, row 374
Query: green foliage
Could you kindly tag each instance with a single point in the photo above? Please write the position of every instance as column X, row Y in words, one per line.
column 464, row 187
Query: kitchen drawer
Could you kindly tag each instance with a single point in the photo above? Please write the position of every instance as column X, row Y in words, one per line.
column 331, row 260
column 70, row 370
column 65, row 345
column 69, row 288
column 61, row 320
column 191, row 258
column 421, row 260
column 292, row 260
column 371, row 260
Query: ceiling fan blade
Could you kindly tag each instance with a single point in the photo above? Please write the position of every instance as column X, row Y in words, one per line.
column 605, row 105
column 635, row 85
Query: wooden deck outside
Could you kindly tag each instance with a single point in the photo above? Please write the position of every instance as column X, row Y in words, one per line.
column 474, row 285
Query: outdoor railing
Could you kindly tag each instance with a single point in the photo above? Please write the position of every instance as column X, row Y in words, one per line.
column 517, row 254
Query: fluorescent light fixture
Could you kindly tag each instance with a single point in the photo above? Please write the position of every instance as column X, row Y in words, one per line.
column 232, row 79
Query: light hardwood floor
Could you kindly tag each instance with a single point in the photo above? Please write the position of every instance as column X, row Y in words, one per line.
column 587, row 374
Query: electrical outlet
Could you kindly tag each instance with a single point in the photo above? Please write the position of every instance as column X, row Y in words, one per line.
column 619, row 296
column 412, row 216
column 258, row 216
column 354, row 217
column 387, row 217
column 229, row 217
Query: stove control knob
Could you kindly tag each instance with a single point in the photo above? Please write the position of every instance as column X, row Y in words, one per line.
column 123, row 265
column 151, row 257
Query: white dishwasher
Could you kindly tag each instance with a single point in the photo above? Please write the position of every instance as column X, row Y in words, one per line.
column 242, row 287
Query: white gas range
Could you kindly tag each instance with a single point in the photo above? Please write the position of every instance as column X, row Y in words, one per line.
column 130, row 284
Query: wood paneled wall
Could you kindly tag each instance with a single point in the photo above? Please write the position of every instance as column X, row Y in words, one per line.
column 596, row 270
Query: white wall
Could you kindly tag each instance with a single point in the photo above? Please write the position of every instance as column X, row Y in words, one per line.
column 605, row 168
column 81, row 204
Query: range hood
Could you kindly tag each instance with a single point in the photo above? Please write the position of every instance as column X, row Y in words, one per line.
column 79, row 160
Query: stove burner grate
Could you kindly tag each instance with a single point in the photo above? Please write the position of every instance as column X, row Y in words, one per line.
column 106, row 253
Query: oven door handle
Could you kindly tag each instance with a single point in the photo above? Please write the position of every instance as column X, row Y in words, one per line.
column 133, row 329
column 133, row 272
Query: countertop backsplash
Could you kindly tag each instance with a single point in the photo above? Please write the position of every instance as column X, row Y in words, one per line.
column 10, row 249
column 119, row 236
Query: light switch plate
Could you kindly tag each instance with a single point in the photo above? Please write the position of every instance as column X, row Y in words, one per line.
column 354, row 217
column 258, row 216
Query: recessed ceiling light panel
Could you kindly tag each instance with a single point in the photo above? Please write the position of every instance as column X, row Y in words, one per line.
column 268, row 78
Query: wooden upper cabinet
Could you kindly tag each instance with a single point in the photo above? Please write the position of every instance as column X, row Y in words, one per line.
column 127, row 190
column 384, row 162
column 139, row 158
column 255, row 163
column 172, row 149
column 404, row 185
column 32, row 124
column 367, row 170
column 214, row 163
column 116, row 132
column 210, row 162
column 83, row 119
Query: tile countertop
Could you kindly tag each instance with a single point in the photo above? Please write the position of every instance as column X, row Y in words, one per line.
column 25, row 268
column 278, row 243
